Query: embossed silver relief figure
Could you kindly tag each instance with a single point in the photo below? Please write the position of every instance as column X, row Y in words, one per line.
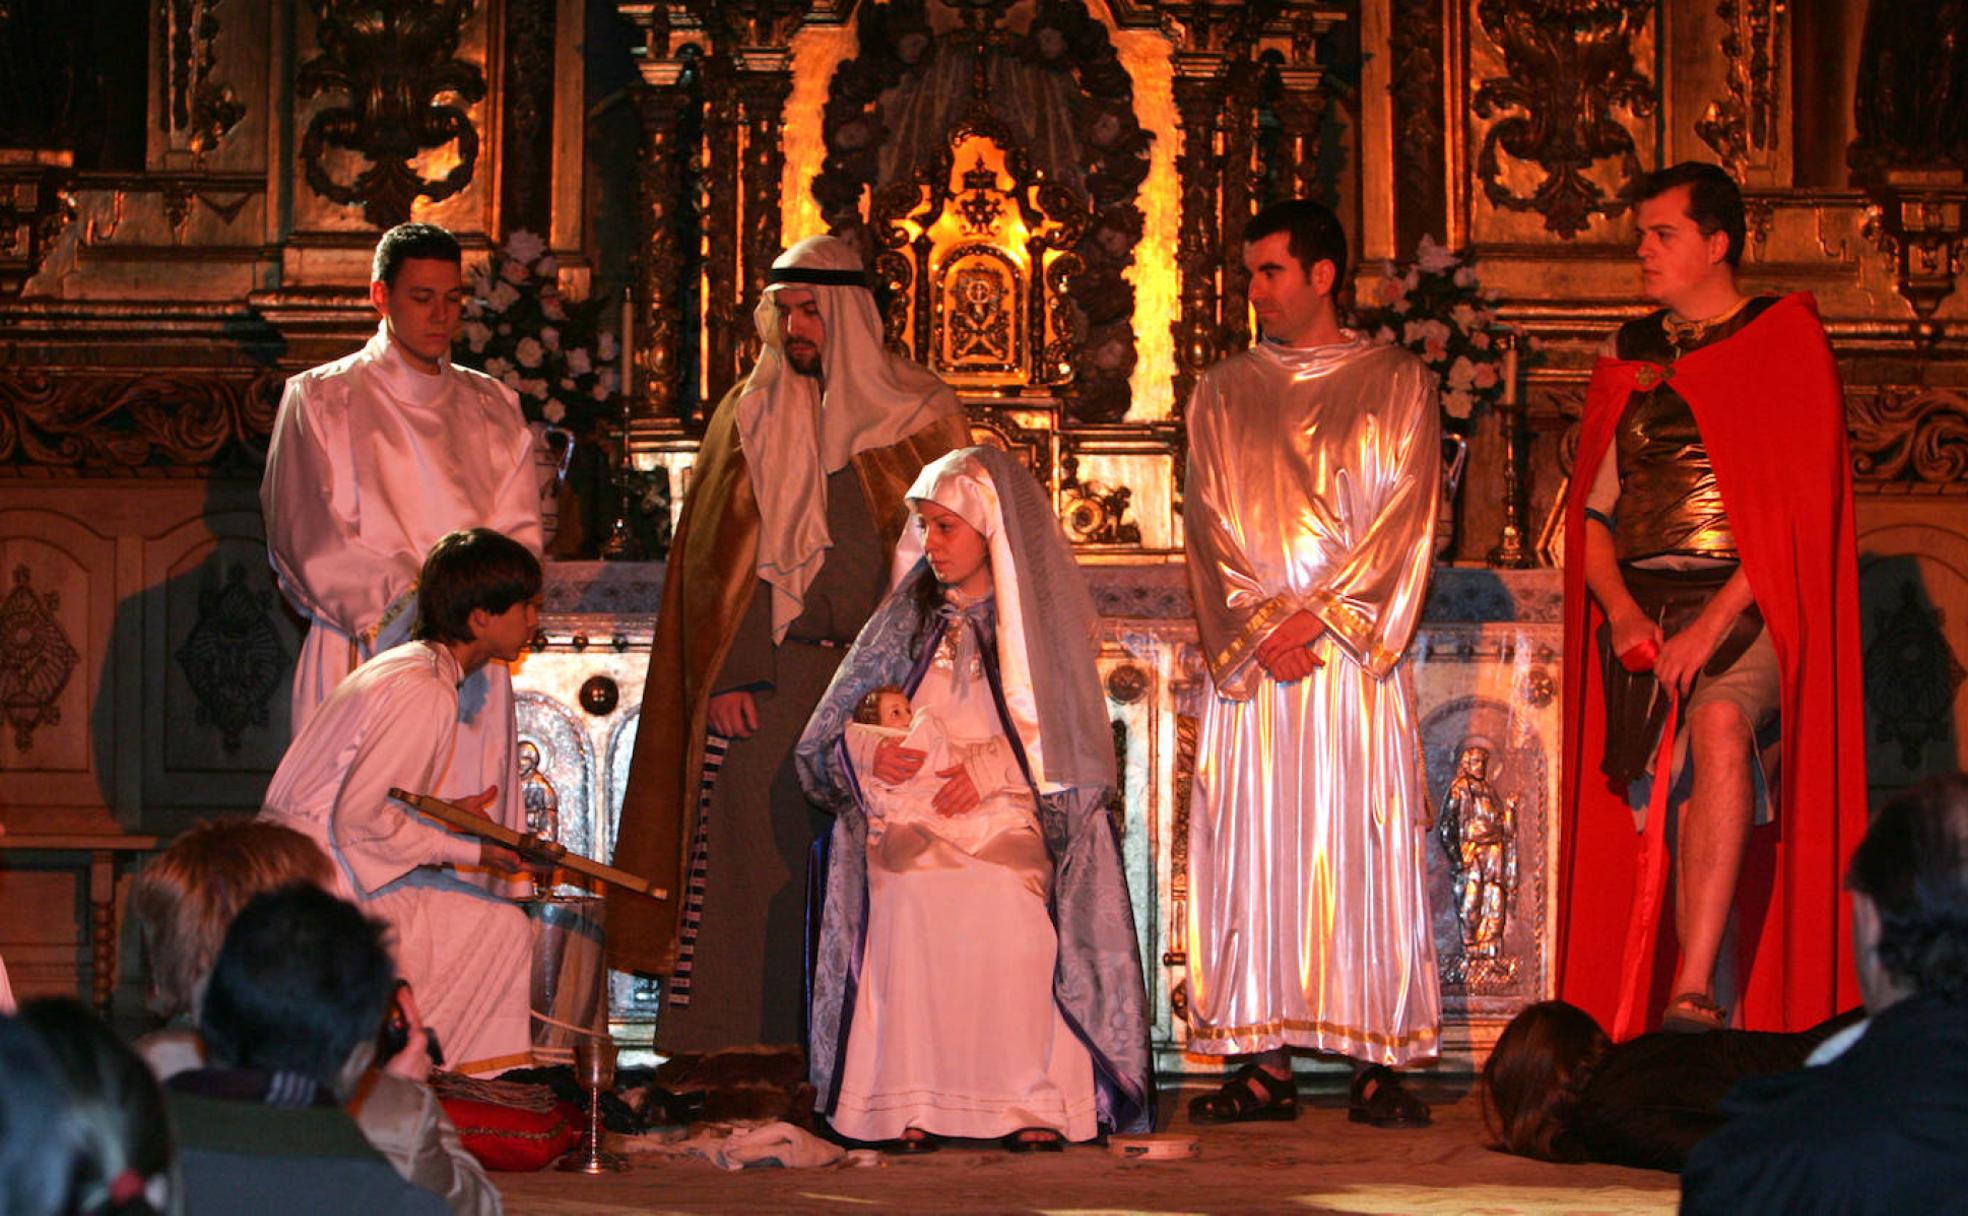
column 537, row 794
column 1479, row 833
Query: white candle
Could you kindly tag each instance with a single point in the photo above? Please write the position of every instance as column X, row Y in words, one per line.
column 1510, row 370
column 628, row 342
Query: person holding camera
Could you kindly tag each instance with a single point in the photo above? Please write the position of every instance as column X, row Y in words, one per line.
column 290, row 1017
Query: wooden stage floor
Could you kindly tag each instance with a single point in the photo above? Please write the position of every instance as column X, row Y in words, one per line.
column 1321, row 1163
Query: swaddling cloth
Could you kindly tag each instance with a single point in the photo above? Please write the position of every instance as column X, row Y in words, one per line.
column 1004, row 799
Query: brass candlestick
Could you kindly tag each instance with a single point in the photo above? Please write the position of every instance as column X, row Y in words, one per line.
column 621, row 537
column 1510, row 552
column 594, row 1069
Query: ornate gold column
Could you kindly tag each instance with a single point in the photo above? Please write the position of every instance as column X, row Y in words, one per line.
column 1201, row 87
column 658, row 355
column 764, row 82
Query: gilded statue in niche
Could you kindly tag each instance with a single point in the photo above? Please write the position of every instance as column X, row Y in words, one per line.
column 1912, row 89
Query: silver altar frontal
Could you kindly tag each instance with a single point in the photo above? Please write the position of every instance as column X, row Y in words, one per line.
column 1487, row 672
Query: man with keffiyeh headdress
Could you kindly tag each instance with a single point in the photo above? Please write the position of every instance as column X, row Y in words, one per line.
column 784, row 548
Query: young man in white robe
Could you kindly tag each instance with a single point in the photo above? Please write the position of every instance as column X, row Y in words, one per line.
column 375, row 456
column 394, row 722
column 1309, row 515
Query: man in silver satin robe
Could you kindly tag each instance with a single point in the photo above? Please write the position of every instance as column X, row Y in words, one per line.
column 1310, row 508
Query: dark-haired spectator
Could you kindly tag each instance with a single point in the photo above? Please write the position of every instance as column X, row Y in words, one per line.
column 185, row 901
column 290, row 1016
column 393, row 722
column 82, row 1126
column 1557, row 1089
column 1879, row 1124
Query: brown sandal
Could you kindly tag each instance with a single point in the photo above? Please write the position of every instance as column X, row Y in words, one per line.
column 1693, row 1013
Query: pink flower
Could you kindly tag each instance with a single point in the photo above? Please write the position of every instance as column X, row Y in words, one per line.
column 1457, row 404
column 1434, row 352
column 1431, row 258
column 1392, row 290
column 523, row 246
column 1480, row 339
column 1486, row 375
column 1462, row 373
column 514, row 272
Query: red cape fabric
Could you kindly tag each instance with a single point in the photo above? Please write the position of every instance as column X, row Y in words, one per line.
column 1772, row 413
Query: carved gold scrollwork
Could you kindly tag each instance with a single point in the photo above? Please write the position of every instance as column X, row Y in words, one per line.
column 1092, row 513
column 395, row 59
column 129, row 421
column 202, row 110
column 1570, row 67
column 1744, row 123
column 1910, row 436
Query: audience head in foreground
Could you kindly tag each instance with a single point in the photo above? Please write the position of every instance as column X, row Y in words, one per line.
column 82, row 1125
column 1880, row 1123
column 300, row 988
column 188, row 896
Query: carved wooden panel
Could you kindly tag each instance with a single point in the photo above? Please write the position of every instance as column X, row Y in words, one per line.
column 57, row 604
column 221, row 645
column 1913, row 591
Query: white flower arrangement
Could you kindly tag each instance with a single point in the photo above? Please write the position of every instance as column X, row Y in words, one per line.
column 556, row 353
column 1437, row 308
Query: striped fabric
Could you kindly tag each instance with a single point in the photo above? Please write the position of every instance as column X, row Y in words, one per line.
column 700, row 861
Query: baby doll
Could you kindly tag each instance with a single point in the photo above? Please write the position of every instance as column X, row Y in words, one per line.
column 884, row 714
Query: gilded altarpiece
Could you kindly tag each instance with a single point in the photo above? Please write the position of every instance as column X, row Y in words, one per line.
column 1049, row 192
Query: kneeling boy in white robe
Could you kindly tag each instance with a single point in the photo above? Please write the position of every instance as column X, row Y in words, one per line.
column 393, row 722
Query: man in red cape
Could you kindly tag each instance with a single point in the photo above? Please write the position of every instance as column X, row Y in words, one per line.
column 1764, row 392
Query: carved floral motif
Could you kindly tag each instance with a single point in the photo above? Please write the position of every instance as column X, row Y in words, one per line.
column 233, row 658
column 1909, row 435
column 202, row 110
column 1745, row 122
column 129, row 421
column 1570, row 65
column 35, row 659
column 1910, row 676
column 407, row 93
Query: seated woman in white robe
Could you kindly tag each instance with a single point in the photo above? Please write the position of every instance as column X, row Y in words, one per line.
column 976, row 973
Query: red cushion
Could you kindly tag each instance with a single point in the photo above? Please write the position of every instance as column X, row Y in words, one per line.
column 512, row 1138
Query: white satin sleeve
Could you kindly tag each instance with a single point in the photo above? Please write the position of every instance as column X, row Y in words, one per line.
column 1234, row 609
column 1372, row 602
column 310, row 500
column 406, row 742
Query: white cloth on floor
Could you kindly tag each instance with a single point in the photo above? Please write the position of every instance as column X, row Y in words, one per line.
column 775, row 1144
column 371, row 461
column 467, row 953
column 955, row 1028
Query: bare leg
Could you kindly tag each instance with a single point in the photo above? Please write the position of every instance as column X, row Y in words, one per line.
column 1714, row 834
